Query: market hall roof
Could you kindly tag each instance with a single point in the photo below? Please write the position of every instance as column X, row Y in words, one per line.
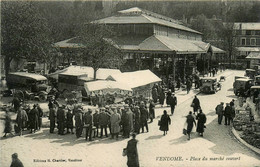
column 140, row 16
column 253, row 55
column 155, row 43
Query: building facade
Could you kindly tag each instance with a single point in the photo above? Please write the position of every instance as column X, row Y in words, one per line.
column 248, row 41
column 159, row 43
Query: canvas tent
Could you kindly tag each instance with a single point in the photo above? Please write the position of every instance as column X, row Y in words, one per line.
column 102, row 87
column 104, row 92
column 141, row 81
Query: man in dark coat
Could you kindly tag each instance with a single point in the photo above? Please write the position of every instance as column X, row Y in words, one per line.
column 190, row 121
column 132, row 153
column 53, row 104
column 79, row 122
column 33, row 117
column 137, row 119
column 16, row 103
column 201, row 117
column 195, row 104
column 39, row 116
column 61, row 119
column 144, row 116
column 154, row 94
column 96, row 122
column 15, row 161
column 168, row 98
column 165, row 122
column 227, row 114
column 69, row 121
column 88, row 119
column 103, row 121
column 151, row 111
column 220, row 111
column 178, row 83
column 124, row 122
column 188, row 85
column 173, row 102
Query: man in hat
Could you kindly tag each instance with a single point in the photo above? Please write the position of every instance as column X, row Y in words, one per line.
column 115, row 120
column 79, row 122
column 53, row 104
column 173, row 102
column 69, row 121
column 16, row 161
column 151, row 110
column 137, row 119
column 88, row 119
column 129, row 121
column 61, row 118
column 227, row 114
column 220, row 110
column 33, row 117
column 108, row 111
column 16, row 103
column 40, row 111
column 96, row 122
column 103, row 121
column 195, row 104
column 232, row 103
column 144, row 116
column 21, row 119
column 132, row 153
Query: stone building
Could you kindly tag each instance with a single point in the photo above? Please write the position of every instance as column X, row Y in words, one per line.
column 248, row 43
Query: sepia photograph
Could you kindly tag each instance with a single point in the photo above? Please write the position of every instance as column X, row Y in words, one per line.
column 130, row 83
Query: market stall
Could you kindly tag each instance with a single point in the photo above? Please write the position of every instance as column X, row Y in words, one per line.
column 141, row 82
column 104, row 92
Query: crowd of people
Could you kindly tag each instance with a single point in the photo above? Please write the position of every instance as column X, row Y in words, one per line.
column 125, row 118
column 228, row 112
column 27, row 118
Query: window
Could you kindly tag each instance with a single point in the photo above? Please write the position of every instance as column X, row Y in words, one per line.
column 248, row 32
column 253, row 32
column 243, row 41
column 243, row 32
column 253, row 41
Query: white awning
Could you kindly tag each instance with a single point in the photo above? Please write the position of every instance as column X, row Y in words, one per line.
column 135, row 79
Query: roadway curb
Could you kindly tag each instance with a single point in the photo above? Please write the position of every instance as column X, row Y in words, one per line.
column 234, row 132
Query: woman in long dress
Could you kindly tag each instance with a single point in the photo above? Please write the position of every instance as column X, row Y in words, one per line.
column 165, row 122
column 201, row 117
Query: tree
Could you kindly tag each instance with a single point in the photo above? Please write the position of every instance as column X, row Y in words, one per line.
column 99, row 50
column 25, row 33
column 228, row 35
column 202, row 24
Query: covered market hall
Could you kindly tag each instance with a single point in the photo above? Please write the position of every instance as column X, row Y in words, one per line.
column 156, row 42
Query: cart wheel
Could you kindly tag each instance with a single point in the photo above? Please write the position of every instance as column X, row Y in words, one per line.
column 42, row 97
